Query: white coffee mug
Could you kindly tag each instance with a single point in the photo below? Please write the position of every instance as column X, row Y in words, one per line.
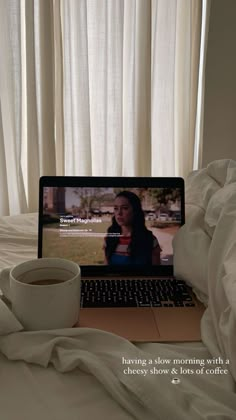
column 44, row 293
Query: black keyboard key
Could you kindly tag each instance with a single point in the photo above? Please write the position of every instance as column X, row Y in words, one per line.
column 187, row 298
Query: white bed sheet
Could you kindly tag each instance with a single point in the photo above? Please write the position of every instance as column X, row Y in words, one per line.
column 93, row 384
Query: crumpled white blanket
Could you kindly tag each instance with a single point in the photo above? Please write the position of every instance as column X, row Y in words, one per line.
column 205, row 253
column 100, row 353
column 204, row 256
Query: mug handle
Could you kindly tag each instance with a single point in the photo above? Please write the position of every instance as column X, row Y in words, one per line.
column 5, row 283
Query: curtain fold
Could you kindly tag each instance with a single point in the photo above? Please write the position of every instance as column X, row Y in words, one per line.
column 188, row 20
column 176, row 26
column 102, row 87
column 162, row 82
column 39, row 95
column 76, row 86
column 137, row 89
column 58, row 87
column 206, row 6
column 13, row 198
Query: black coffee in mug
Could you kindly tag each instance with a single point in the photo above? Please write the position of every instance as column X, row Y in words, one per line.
column 45, row 282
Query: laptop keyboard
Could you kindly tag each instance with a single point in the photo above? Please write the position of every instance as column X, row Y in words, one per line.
column 135, row 293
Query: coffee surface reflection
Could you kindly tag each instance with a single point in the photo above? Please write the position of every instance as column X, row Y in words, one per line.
column 44, row 282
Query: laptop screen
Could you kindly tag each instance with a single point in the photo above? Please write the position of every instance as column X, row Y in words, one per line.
column 125, row 226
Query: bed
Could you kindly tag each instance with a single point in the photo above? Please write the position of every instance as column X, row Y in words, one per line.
column 86, row 373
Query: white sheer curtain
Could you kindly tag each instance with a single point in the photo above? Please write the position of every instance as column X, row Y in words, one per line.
column 97, row 87
column 27, row 140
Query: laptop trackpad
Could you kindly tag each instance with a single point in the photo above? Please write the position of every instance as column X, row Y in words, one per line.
column 179, row 324
column 134, row 324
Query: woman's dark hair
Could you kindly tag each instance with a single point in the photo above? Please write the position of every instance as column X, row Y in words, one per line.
column 141, row 238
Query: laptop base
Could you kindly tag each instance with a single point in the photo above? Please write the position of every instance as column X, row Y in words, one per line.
column 146, row 324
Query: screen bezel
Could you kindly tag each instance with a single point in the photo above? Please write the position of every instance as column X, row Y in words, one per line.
column 124, row 182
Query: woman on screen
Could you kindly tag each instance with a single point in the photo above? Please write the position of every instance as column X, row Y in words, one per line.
column 128, row 241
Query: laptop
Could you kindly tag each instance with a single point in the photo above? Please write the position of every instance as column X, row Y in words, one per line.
column 120, row 231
